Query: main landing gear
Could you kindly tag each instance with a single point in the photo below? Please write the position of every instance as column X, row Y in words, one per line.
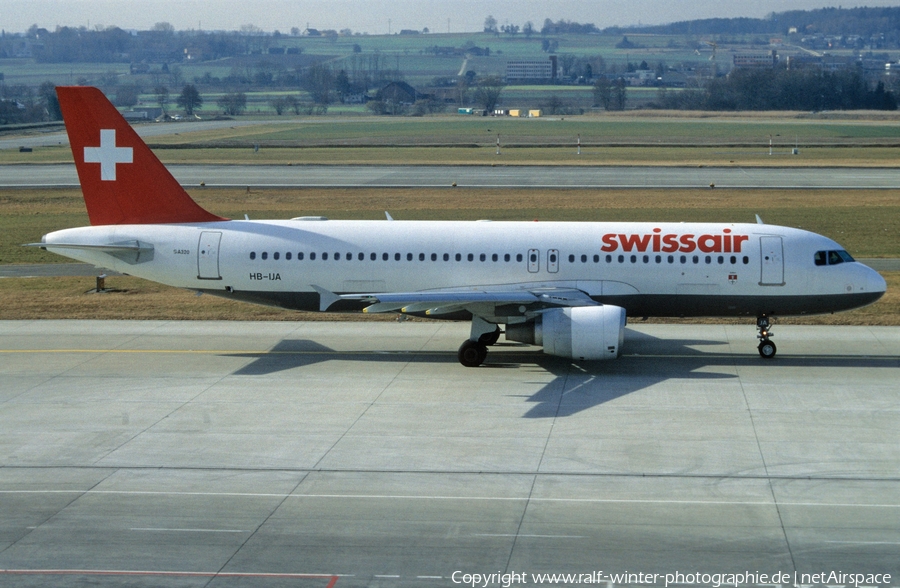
column 766, row 347
column 473, row 353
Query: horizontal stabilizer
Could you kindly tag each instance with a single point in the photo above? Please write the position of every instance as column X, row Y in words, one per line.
column 128, row 251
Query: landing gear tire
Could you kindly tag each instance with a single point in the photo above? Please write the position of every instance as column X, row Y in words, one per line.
column 490, row 338
column 472, row 353
column 767, row 349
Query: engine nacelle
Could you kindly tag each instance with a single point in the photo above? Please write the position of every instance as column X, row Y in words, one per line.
column 581, row 332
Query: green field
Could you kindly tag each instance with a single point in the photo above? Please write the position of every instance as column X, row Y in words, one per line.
column 624, row 139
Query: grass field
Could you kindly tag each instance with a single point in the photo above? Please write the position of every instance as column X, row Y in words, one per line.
column 646, row 139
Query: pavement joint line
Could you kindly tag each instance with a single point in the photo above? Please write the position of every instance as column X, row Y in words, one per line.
column 433, row 472
column 453, row 498
column 161, row 530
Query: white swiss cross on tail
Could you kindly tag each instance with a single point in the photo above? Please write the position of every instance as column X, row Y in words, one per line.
column 108, row 155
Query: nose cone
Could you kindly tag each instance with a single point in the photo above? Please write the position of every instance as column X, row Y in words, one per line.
column 876, row 283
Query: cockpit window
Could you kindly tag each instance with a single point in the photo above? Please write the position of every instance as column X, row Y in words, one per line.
column 832, row 257
column 820, row 258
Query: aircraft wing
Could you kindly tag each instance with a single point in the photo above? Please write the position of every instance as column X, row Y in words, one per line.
column 476, row 301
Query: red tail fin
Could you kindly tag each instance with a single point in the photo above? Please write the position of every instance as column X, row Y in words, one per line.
column 122, row 180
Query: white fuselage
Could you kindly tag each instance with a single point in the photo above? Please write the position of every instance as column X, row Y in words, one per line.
column 650, row 269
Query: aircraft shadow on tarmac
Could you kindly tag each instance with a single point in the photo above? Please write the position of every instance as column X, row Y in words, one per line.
column 577, row 386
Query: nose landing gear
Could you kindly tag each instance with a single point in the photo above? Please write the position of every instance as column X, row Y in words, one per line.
column 767, row 348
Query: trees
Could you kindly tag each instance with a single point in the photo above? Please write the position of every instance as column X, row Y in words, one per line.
column 47, row 95
column 319, row 81
column 233, row 103
column 610, row 95
column 190, row 99
column 487, row 94
column 490, row 24
column 162, row 98
column 127, row 95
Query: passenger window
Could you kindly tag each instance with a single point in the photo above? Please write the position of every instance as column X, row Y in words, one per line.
column 312, row 256
column 482, row 257
column 571, row 258
column 373, row 256
column 434, row 257
column 265, row 255
column 506, row 257
column 300, row 256
column 396, row 257
column 518, row 257
column 470, row 257
column 596, row 259
column 459, row 257
column 421, row 257
column 253, row 255
column 446, row 257
column 746, row 260
column 324, row 257
column 337, row 256
column 384, row 256
column 362, row 256
column 609, row 259
column 621, row 259
column 287, row 256
column 409, row 257
column 494, row 257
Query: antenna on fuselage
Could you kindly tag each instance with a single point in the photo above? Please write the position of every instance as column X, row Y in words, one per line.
column 759, row 221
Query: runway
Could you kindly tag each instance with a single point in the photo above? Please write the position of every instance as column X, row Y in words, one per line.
column 362, row 454
column 484, row 176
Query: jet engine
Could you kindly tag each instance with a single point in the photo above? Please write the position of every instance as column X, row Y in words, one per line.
column 581, row 332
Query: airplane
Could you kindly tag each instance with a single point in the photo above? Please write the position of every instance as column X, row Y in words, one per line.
column 566, row 286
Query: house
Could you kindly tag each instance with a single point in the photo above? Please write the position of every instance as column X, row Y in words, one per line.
column 398, row 93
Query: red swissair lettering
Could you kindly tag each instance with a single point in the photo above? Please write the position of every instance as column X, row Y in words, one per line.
column 657, row 242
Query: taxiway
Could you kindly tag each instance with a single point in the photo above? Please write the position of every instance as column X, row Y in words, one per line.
column 362, row 454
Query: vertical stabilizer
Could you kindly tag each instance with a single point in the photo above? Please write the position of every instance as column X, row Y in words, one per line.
column 122, row 180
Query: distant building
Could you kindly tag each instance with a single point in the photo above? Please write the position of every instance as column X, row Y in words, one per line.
column 398, row 93
column 756, row 60
column 193, row 54
column 521, row 70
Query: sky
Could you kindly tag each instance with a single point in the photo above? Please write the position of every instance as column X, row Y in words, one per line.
column 380, row 16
